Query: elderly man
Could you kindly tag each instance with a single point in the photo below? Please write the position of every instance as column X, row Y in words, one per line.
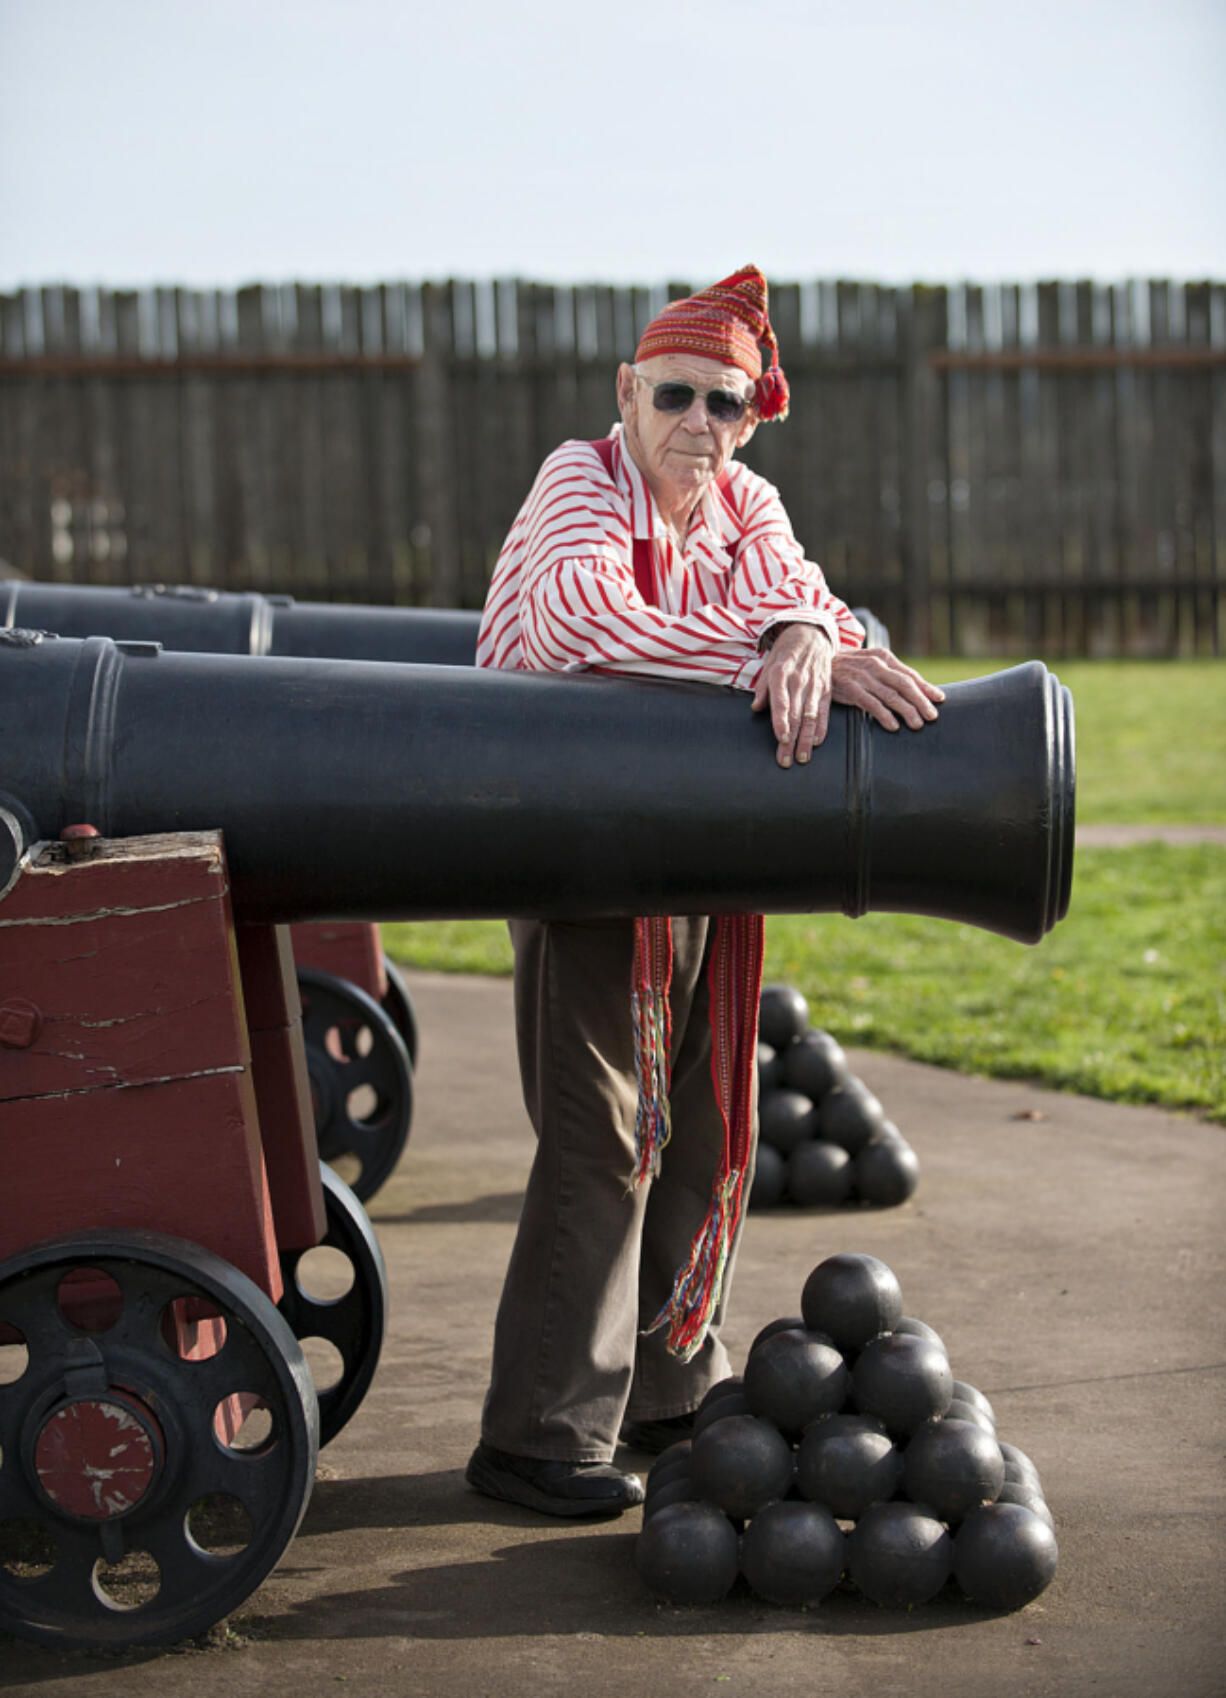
column 651, row 551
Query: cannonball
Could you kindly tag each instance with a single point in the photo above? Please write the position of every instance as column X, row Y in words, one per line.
column 784, row 1323
column 819, row 1174
column 964, row 1393
column 849, row 1115
column 741, row 1463
column 1016, row 1475
column 793, row 1377
column 847, row 1462
column 1004, row 1556
column 953, row 1467
column 1030, row 1497
column 888, row 1133
column 920, row 1329
column 688, row 1554
column 722, row 1388
column 770, row 1177
column 783, row 1015
column 886, row 1172
column 814, row 1065
column 960, row 1411
column 852, row 1297
column 785, row 1119
column 793, row 1553
column 680, row 1489
column 719, row 1409
column 770, row 1070
column 1017, row 1464
column 903, row 1380
column 899, row 1554
column 671, row 1462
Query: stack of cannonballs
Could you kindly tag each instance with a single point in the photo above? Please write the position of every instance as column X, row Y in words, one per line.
column 824, row 1138
column 847, row 1452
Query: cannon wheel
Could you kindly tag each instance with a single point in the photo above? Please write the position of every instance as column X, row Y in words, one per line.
column 361, row 1078
column 398, row 1006
column 354, row 1323
column 158, row 1444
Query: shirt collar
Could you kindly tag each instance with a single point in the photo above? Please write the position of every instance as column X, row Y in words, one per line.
column 645, row 520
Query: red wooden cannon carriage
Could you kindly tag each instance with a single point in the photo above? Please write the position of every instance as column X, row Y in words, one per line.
column 159, row 1422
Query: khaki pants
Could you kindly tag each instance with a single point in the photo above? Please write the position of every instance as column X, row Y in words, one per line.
column 594, row 1262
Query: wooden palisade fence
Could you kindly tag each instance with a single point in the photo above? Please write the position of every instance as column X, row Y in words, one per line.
column 992, row 470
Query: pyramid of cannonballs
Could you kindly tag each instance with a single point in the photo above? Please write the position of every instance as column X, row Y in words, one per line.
column 824, row 1138
column 847, row 1452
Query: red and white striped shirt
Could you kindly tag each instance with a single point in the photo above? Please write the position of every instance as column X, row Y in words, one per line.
column 563, row 597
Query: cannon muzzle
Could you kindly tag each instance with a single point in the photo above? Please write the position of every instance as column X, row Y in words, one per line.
column 372, row 791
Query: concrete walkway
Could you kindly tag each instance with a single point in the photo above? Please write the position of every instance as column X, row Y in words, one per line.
column 1120, row 836
column 1069, row 1251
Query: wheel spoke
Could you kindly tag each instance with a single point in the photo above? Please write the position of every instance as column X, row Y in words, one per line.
column 361, row 1074
column 31, row 1305
column 343, row 1322
column 14, row 1499
column 67, row 1587
column 215, row 1378
column 367, row 1139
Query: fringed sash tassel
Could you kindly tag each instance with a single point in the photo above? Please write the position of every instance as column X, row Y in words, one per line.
column 696, row 1292
column 653, row 1039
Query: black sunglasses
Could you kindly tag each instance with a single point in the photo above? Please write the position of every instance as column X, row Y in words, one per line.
column 724, row 406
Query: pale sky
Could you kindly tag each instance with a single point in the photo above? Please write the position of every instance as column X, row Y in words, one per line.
column 235, row 141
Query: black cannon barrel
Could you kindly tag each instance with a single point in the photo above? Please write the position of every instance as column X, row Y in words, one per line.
column 372, row 791
column 194, row 620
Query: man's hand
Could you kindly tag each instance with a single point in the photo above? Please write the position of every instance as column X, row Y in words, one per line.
column 795, row 683
column 802, row 675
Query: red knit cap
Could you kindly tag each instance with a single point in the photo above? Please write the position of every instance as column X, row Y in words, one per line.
column 725, row 322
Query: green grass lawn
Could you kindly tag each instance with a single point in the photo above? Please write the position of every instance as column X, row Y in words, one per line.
column 1125, row 999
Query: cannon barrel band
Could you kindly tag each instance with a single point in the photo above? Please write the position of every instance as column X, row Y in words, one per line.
column 367, row 790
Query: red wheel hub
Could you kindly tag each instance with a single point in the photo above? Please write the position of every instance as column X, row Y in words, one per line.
column 97, row 1457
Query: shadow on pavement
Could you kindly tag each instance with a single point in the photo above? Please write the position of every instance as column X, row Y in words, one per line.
column 568, row 1586
column 496, row 1207
column 566, row 1580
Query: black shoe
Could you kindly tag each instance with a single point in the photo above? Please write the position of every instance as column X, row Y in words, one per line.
column 553, row 1488
column 651, row 1437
